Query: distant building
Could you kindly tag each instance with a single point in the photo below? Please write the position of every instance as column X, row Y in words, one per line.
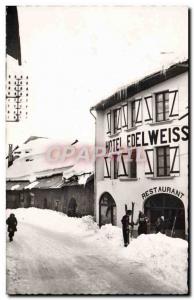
column 144, row 128
column 32, row 181
column 53, row 192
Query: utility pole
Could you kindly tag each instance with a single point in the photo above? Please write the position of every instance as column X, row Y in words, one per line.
column 17, row 98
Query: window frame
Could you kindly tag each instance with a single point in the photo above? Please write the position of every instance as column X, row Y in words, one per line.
column 165, row 113
column 166, row 166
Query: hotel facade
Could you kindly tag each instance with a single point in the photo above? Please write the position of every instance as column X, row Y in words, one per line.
column 144, row 130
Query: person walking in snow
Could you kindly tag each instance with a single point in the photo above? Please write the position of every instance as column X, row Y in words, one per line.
column 143, row 223
column 12, row 226
column 125, row 226
column 160, row 225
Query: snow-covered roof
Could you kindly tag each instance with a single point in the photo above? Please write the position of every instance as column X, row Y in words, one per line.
column 31, row 185
column 83, row 179
column 146, row 82
column 54, row 181
column 34, row 161
column 16, row 185
column 78, row 169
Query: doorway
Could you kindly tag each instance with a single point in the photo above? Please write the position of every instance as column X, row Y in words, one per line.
column 72, row 208
column 45, row 204
column 107, row 210
column 171, row 208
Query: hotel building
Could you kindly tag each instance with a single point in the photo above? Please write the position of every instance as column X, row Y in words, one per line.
column 144, row 130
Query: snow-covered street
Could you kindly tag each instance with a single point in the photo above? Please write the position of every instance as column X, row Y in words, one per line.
column 52, row 259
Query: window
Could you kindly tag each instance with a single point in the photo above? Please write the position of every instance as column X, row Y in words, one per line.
column 116, row 120
column 115, row 166
column 133, row 114
column 163, row 161
column 133, row 164
column 162, row 106
column 127, row 166
column 108, row 122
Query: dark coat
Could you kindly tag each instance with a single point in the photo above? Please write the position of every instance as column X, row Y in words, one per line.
column 12, row 223
column 125, row 222
column 160, row 225
column 142, row 228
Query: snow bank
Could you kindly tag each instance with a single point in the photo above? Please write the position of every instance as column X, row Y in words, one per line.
column 54, row 221
column 164, row 257
column 111, row 235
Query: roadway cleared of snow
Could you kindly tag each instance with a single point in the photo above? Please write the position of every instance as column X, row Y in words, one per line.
column 54, row 254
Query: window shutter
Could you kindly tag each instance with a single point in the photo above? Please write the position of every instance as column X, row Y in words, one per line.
column 149, row 162
column 123, row 165
column 125, row 115
column 107, row 167
column 138, row 111
column 148, row 109
column 174, row 161
column 108, row 122
column 173, row 104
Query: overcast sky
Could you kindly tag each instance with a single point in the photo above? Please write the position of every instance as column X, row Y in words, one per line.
column 76, row 56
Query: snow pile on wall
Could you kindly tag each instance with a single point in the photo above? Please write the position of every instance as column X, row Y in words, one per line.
column 164, row 257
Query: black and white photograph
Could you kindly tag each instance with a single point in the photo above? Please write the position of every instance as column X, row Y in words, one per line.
column 97, row 150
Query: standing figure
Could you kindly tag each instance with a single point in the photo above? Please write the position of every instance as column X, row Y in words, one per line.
column 160, row 225
column 143, row 223
column 12, row 226
column 125, row 226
